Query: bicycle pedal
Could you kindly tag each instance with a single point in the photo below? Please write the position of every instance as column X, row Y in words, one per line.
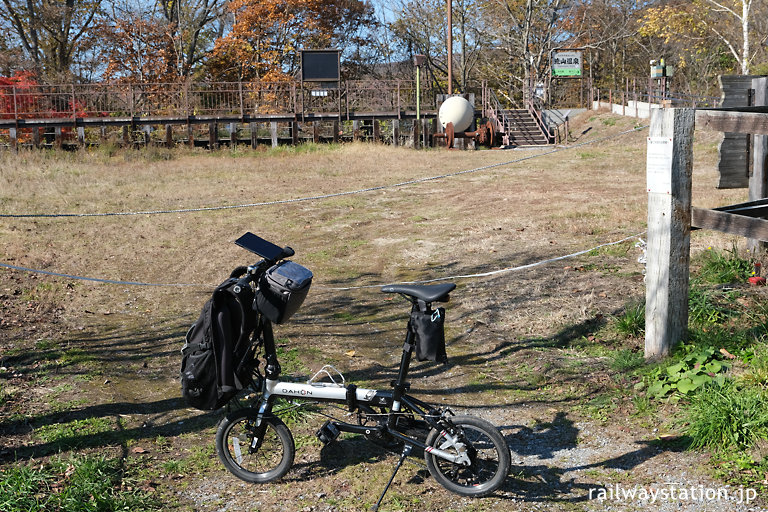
column 328, row 432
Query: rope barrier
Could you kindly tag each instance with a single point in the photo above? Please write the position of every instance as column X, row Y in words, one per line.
column 321, row 196
column 446, row 278
column 94, row 279
column 493, row 272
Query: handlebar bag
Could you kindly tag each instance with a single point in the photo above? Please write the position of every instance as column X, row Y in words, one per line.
column 429, row 328
column 282, row 290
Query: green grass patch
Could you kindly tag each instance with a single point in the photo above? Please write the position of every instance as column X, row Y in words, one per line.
column 615, row 250
column 711, row 306
column 74, row 433
column 293, row 412
column 723, row 267
column 290, row 362
column 724, row 416
column 631, row 322
column 78, row 484
column 626, row 360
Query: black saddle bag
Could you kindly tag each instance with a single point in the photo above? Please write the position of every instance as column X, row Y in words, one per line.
column 429, row 329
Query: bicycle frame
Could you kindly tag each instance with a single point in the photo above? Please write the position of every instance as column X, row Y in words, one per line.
column 353, row 396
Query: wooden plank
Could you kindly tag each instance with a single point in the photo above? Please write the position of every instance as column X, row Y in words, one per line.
column 758, row 181
column 734, row 122
column 669, row 168
column 730, row 223
column 732, row 165
column 735, row 89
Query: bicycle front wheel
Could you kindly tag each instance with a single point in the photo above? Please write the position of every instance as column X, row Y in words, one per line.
column 487, row 451
column 241, row 454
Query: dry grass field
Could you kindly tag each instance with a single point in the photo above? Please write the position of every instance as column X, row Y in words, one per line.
column 91, row 368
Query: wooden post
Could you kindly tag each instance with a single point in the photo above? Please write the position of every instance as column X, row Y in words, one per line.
column 376, row 130
column 273, row 132
column 58, row 138
column 669, row 168
column 758, row 179
column 190, row 135
column 213, row 136
column 355, row 130
column 126, row 135
column 315, row 131
column 254, row 127
column 168, row 135
column 146, row 130
column 295, row 133
column 395, row 132
column 36, row 139
column 233, row 133
column 416, row 134
column 14, row 138
column 81, row 135
column 336, row 133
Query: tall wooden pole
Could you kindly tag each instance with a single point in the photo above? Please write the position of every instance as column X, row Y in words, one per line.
column 758, row 179
column 450, row 48
column 669, row 169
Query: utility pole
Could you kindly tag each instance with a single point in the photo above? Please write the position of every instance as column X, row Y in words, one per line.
column 450, row 47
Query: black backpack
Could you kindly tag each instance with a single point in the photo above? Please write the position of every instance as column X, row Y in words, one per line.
column 218, row 356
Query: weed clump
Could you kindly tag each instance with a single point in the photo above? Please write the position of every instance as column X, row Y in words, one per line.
column 726, row 415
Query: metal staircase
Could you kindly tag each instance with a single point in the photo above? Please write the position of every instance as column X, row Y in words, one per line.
column 523, row 129
column 517, row 127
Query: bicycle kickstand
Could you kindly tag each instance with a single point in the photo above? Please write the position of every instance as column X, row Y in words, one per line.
column 406, row 452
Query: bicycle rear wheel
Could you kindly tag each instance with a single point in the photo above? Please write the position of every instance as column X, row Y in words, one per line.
column 487, row 451
column 262, row 464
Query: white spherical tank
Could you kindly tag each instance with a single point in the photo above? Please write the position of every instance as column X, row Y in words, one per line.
column 458, row 111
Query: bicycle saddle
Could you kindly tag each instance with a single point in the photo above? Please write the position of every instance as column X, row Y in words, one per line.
column 425, row 292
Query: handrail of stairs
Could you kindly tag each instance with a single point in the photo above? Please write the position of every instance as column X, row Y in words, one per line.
column 543, row 126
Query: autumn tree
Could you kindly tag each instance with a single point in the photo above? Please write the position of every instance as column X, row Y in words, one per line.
column 52, row 33
column 193, row 25
column 608, row 32
column 421, row 28
column 525, row 31
column 709, row 26
column 266, row 36
column 139, row 46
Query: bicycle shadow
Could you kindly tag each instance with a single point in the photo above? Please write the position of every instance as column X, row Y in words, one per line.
column 530, row 482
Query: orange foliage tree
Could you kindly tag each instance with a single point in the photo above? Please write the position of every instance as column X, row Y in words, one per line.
column 141, row 49
column 267, row 34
